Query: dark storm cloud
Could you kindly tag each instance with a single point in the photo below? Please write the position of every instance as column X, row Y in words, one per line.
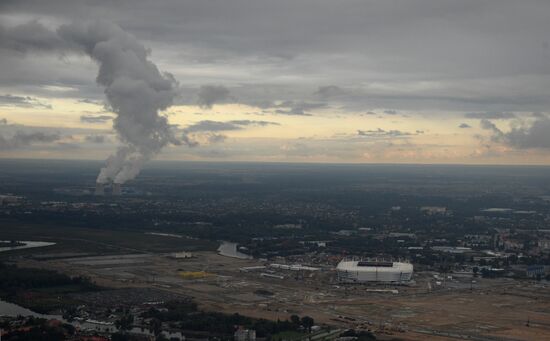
column 491, row 115
column 95, row 118
column 23, row 139
column 464, row 126
column 211, row 94
column 22, row 101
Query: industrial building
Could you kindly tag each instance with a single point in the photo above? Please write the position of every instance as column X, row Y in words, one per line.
column 180, row 255
column 293, row 267
column 116, row 189
column 363, row 271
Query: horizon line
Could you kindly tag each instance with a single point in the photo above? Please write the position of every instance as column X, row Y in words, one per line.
column 297, row 162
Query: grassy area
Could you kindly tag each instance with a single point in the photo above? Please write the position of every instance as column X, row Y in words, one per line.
column 78, row 239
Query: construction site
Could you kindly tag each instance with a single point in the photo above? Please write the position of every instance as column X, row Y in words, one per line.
column 440, row 306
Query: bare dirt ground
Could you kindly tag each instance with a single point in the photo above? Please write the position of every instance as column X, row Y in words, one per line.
column 497, row 309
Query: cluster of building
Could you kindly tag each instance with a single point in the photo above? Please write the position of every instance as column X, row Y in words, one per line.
column 7, row 199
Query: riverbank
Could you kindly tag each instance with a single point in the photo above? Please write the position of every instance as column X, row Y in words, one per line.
column 229, row 249
column 7, row 245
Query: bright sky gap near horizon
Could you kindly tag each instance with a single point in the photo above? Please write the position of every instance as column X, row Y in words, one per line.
column 423, row 81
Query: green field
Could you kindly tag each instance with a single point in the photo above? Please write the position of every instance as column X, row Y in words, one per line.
column 96, row 241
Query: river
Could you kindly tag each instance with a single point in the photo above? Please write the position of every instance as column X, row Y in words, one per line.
column 11, row 309
column 28, row 244
column 229, row 249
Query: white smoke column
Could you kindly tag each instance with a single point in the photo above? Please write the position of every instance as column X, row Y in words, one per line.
column 136, row 91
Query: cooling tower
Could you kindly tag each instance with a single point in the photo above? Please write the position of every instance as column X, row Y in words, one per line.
column 99, row 189
column 117, row 189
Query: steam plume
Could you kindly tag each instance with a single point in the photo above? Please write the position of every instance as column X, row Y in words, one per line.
column 136, row 91
column 135, row 88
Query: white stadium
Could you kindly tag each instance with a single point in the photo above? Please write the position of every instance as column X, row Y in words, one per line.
column 362, row 271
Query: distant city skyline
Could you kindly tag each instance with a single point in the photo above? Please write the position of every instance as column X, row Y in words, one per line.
column 426, row 81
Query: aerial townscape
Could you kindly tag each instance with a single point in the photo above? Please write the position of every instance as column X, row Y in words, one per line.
column 209, row 251
column 284, row 170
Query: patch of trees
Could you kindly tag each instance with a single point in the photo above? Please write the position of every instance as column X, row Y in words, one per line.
column 15, row 279
column 40, row 290
column 188, row 317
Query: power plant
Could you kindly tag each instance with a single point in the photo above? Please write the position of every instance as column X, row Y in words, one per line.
column 116, row 189
column 365, row 271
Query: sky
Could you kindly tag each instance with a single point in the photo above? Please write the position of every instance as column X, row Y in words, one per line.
column 358, row 81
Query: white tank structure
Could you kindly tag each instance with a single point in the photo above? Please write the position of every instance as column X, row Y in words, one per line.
column 374, row 271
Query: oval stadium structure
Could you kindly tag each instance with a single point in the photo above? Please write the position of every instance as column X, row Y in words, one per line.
column 360, row 271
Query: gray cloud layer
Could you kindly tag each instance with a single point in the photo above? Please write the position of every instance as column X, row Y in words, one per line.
column 96, row 139
column 22, row 139
column 209, row 95
column 491, row 115
column 95, row 118
column 406, row 55
column 208, row 125
column 485, row 60
column 22, row 101
column 381, row 133
column 211, row 130
column 521, row 135
column 537, row 135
